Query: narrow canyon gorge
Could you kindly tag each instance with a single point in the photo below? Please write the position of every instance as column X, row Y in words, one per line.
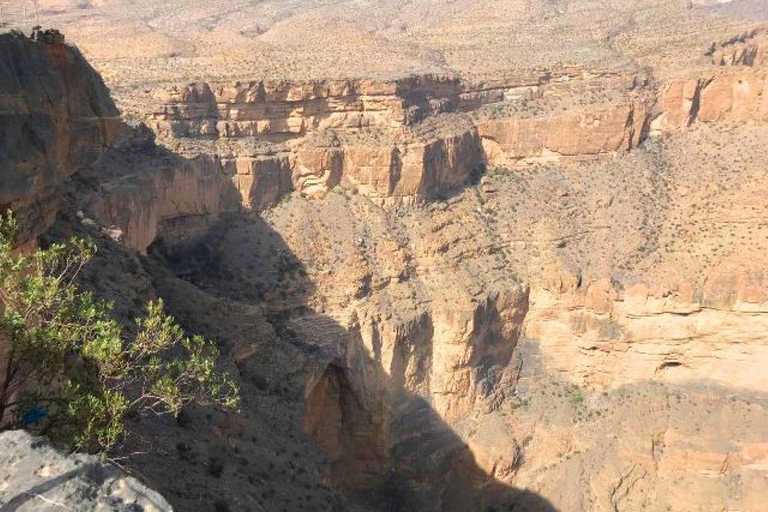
column 543, row 289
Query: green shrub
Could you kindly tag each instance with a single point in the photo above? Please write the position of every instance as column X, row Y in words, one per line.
column 64, row 355
column 575, row 395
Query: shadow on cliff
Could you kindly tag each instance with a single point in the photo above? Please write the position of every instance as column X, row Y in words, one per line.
column 385, row 446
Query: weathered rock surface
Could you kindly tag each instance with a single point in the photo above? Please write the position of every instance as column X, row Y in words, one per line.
column 603, row 337
column 411, row 139
column 403, row 141
column 56, row 118
column 727, row 96
column 551, row 139
column 748, row 49
column 567, row 324
column 34, row 476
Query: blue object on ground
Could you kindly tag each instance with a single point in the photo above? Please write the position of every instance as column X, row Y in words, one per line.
column 35, row 414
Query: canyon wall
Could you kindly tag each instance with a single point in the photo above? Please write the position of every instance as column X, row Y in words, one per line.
column 146, row 193
column 56, row 118
column 734, row 95
column 405, row 140
column 178, row 205
column 603, row 338
column 509, row 142
column 277, row 110
column 393, row 142
column 412, row 318
column 748, row 49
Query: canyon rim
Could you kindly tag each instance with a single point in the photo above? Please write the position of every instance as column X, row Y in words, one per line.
column 459, row 256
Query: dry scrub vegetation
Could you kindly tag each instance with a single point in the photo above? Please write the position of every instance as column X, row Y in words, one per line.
column 143, row 42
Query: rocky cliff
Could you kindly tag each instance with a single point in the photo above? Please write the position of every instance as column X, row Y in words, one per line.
column 438, row 294
column 402, row 141
column 56, row 118
column 35, row 476
column 405, row 140
column 747, row 49
column 248, row 145
column 736, row 95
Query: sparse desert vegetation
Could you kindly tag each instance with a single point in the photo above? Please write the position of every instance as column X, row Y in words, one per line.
column 456, row 256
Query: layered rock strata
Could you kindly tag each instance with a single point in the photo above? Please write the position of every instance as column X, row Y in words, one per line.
column 748, row 49
column 409, row 139
column 735, row 95
column 399, row 331
column 404, row 140
column 56, row 118
column 606, row 338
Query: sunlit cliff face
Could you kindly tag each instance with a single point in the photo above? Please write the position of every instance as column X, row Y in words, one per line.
column 544, row 289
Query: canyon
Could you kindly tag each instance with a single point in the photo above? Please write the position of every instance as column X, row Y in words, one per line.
column 534, row 288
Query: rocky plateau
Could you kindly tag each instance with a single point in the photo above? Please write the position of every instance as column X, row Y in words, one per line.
column 459, row 277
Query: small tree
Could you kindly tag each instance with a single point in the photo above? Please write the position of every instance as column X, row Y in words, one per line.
column 68, row 364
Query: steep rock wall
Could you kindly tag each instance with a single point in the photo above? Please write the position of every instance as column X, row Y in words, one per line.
column 178, row 204
column 56, row 118
column 735, row 95
column 605, row 338
column 749, row 49
column 288, row 109
column 404, row 140
column 392, row 173
column 567, row 136
column 144, row 193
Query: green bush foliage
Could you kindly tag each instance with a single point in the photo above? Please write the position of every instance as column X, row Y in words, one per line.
column 63, row 353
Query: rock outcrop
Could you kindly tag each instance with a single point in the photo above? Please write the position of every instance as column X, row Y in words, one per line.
column 748, row 49
column 606, row 338
column 733, row 95
column 551, row 139
column 442, row 336
column 410, row 139
column 398, row 142
column 35, row 476
column 245, row 146
column 56, row 118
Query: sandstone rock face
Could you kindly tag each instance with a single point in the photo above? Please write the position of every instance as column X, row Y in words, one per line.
column 56, row 118
column 389, row 174
column 608, row 338
column 748, row 49
column 635, row 283
column 177, row 205
column 401, row 141
column 286, row 108
column 729, row 96
column 280, row 109
column 175, row 198
column 342, row 114
column 400, row 351
column 570, row 136
column 35, row 476
column 645, row 447
column 587, row 329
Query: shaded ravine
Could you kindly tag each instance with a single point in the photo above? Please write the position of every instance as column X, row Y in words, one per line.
column 384, row 445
